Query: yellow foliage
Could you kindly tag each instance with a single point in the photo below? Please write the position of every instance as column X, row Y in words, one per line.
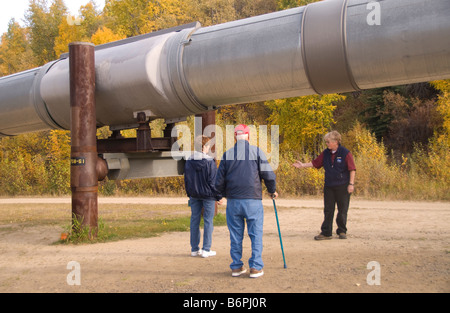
column 439, row 147
column 304, row 120
column 372, row 170
column 444, row 101
column 15, row 53
column 127, row 17
column 439, row 159
column 67, row 34
column 365, row 145
column 166, row 14
column 105, row 35
column 292, row 181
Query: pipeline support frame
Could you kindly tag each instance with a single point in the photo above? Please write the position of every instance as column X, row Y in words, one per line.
column 84, row 158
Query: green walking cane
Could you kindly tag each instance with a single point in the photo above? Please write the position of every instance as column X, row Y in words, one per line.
column 279, row 233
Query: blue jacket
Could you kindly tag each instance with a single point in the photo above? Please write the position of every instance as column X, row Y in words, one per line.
column 241, row 170
column 199, row 177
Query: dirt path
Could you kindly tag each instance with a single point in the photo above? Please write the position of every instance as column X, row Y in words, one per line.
column 409, row 240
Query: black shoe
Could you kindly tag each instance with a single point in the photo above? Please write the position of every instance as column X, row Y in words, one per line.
column 322, row 237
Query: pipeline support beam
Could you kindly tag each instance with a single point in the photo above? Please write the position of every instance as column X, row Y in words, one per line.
column 84, row 159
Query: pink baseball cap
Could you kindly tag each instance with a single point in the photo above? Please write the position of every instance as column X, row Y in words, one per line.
column 241, row 129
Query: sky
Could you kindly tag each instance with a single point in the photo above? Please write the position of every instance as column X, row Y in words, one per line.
column 16, row 9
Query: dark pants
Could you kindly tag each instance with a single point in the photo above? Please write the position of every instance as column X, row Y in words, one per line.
column 332, row 196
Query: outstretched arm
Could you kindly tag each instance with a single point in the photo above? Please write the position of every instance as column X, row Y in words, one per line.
column 299, row 164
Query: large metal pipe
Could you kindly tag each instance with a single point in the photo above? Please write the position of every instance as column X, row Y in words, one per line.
column 325, row 47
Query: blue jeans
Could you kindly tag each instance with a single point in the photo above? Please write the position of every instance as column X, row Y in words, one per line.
column 239, row 211
column 208, row 216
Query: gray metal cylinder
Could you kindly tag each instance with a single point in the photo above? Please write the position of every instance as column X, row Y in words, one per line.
column 130, row 78
column 411, row 44
column 254, row 59
column 325, row 47
column 21, row 107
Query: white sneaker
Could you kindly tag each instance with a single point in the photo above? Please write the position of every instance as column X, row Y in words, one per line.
column 254, row 273
column 207, row 254
column 197, row 253
column 238, row 272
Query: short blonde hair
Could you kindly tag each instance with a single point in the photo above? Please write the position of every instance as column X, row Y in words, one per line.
column 334, row 135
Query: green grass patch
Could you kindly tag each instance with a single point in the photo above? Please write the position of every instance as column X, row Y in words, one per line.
column 116, row 221
column 144, row 228
column 138, row 228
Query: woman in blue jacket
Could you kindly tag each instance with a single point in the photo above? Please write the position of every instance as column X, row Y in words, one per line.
column 199, row 178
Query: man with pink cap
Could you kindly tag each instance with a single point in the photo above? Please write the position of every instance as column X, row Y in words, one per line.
column 239, row 180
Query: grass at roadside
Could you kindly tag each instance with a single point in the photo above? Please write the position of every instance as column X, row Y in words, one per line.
column 116, row 221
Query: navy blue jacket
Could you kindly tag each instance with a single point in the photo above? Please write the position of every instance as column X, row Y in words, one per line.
column 199, row 177
column 241, row 170
column 336, row 173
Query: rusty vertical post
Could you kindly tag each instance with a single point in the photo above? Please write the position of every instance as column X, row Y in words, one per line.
column 83, row 171
column 208, row 118
column 143, row 134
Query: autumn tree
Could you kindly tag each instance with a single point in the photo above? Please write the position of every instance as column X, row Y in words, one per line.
column 92, row 19
column 287, row 4
column 303, row 121
column 166, row 14
column 439, row 146
column 400, row 115
column 67, row 33
column 90, row 28
column 249, row 8
column 57, row 155
column 212, row 12
column 414, row 120
column 104, row 35
column 443, row 104
column 44, row 22
column 127, row 17
column 22, row 164
column 15, row 52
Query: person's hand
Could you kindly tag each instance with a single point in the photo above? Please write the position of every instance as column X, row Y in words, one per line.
column 274, row 195
column 220, row 202
column 350, row 188
column 298, row 164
